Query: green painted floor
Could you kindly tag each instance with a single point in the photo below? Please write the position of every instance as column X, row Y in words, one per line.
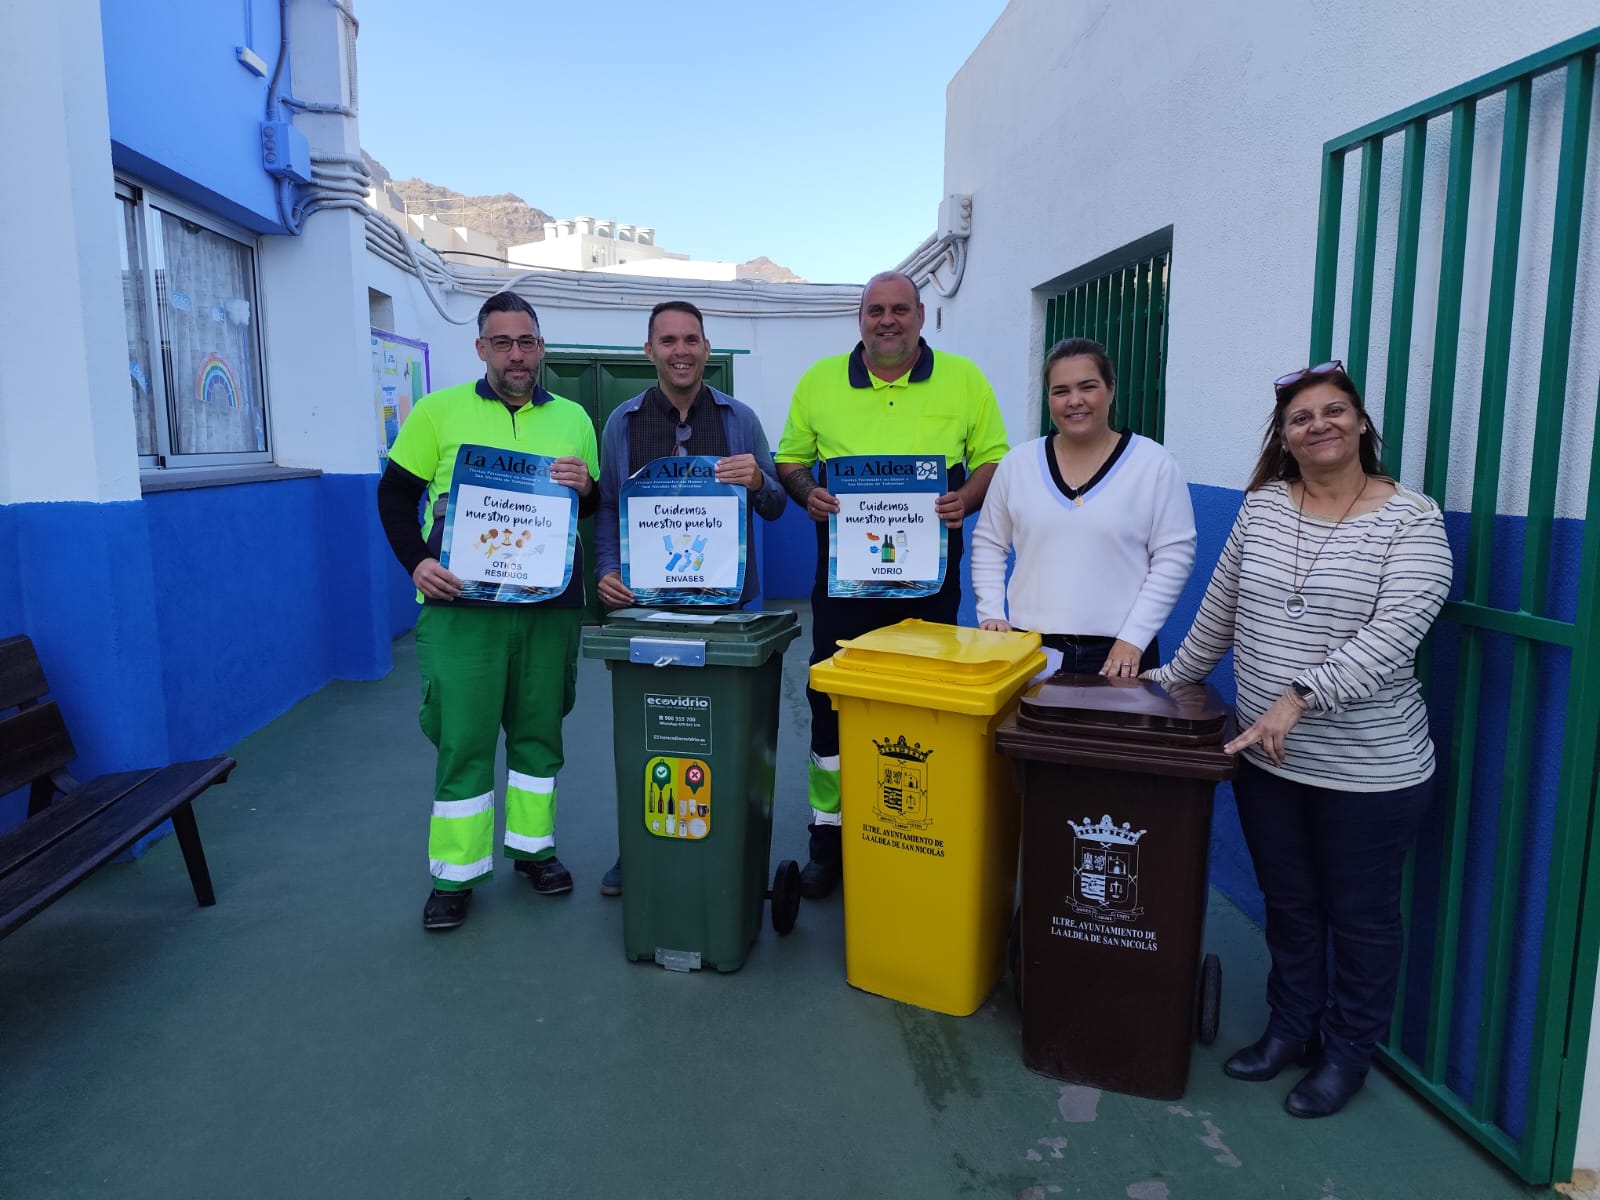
column 305, row 1038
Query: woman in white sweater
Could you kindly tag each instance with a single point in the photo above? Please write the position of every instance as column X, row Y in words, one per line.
column 1101, row 523
column 1329, row 581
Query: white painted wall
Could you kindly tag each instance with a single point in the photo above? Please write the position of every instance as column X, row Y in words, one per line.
column 313, row 288
column 1078, row 128
column 64, row 374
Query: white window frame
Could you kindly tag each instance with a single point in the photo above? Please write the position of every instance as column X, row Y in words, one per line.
column 147, row 203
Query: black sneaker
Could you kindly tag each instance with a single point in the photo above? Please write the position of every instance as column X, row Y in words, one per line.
column 548, row 876
column 446, row 910
column 611, row 881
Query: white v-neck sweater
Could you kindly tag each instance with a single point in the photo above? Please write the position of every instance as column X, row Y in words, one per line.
column 1110, row 567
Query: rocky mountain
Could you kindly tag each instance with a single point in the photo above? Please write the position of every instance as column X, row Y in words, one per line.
column 510, row 219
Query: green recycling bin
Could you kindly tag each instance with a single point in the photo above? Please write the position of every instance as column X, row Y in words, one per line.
column 695, row 701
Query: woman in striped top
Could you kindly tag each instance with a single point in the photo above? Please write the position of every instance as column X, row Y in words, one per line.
column 1327, row 585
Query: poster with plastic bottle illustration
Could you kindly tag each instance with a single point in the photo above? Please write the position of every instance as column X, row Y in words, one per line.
column 509, row 529
column 682, row 533
column 886, row 539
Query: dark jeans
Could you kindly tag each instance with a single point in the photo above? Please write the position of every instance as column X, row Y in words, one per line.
column 1086, row 655
column 1329, row 865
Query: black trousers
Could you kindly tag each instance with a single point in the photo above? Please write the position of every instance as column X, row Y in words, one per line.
column 1329, row 865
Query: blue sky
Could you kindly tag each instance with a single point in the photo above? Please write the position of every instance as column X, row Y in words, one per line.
column 813, row 134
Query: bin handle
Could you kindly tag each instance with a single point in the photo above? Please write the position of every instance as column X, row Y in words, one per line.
column 666, row 660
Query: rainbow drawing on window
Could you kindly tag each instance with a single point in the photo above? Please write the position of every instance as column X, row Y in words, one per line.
column 215, row 384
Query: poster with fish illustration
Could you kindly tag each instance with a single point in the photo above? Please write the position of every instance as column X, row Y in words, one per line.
column 509, row 529
column 886, row 539
column 682, row 533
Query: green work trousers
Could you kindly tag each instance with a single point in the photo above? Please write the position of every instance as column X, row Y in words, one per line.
column 484, row 669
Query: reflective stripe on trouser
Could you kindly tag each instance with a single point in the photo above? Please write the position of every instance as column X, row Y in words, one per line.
column 823, row 784
column 461, row 840
column 530, row 815
column 483, row 669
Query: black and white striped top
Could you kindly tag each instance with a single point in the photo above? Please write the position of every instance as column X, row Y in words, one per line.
column 1376, row 587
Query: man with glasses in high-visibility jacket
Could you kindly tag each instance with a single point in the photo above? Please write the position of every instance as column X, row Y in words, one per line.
column 489, row 665
column 680, row 415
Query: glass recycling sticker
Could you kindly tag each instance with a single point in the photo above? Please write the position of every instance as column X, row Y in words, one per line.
column 677, row 798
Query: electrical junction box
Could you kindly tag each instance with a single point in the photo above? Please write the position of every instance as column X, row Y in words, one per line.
column 285, row 153
column 955, row 217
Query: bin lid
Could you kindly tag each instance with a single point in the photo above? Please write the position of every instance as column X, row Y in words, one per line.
column 972, row 672
column 1124, row 709
column 733, row 638
column 927, row 650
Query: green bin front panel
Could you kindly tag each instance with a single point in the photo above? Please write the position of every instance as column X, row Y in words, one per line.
column 695, row 744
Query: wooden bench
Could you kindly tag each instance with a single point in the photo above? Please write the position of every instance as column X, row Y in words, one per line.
column 74, row 828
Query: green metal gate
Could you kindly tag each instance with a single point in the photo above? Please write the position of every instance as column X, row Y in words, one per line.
column 1120, row 300
column 1503, row 934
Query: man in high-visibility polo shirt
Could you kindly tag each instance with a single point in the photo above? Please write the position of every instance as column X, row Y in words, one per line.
column 892, row 394
column 486, row 665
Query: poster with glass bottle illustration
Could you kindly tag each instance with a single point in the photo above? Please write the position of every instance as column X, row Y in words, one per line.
column 886, row 539
column 509, row 529
column 682, row 533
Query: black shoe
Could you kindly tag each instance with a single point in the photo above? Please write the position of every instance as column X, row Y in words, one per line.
column 549, row 877
column 611, row 881
column 820, row 876
column 1269, row 1054
column 1324, row 1091
column 446, row 910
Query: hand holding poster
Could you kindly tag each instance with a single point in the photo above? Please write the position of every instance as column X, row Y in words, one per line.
column 886, row 539
column 509, row 530
column 683, row 533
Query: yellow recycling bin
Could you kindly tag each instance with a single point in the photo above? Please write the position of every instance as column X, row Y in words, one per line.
column 929, row 808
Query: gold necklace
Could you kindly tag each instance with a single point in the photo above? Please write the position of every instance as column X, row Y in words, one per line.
column 1294, row 604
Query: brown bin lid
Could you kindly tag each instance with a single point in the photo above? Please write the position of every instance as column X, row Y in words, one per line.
column 1124, row 709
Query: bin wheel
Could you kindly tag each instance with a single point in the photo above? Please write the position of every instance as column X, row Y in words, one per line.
column 785, row 895
column 1014, row 954
column 1209, row 1007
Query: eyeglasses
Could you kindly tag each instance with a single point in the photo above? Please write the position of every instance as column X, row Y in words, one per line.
column 681, row 435
column 502, row 344
column 1294, row 377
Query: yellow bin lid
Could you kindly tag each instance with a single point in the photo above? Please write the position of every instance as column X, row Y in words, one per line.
column 947, row 667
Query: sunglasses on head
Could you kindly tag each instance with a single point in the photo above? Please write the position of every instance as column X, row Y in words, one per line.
column 1294, row 377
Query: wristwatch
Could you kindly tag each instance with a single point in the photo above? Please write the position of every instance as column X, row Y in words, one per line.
column 1303, row 694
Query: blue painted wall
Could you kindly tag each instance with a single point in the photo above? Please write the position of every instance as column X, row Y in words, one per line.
column 185, row 114
column 172, row 626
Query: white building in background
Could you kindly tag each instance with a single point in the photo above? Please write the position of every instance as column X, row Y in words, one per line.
column 588, row 244
column 432, row 229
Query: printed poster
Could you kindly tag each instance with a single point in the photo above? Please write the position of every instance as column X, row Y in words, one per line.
column 683, row 533
column 400, row 377
column 886, row 540
column 509, row 529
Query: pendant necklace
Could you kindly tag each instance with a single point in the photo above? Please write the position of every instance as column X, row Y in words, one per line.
column 1075, row 494
column 1294, row 604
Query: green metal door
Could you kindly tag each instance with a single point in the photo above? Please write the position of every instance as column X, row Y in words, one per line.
column 1503, row 927
column 1120, row 300
column 600, row 381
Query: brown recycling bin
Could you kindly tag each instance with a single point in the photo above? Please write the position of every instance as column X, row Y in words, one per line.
column 1117, row 781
